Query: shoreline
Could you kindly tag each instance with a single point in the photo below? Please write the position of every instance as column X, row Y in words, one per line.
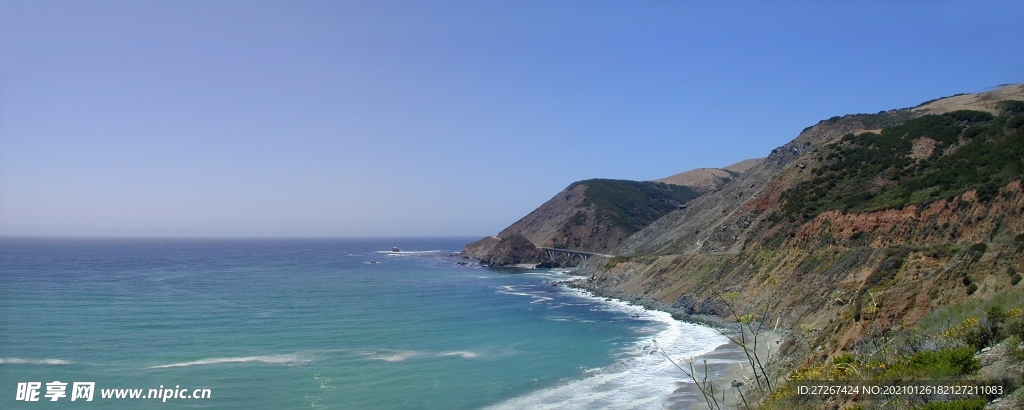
column 636, row 375
column 727, row 364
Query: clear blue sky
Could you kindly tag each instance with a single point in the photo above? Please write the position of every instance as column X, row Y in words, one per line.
column 352, row 118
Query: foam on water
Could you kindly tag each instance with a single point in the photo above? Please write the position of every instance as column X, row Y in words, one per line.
column 286, row 359
column 410, row 253
column 15, row 360
column 641, row 378
column 462, row 354
column 394, row 356
column 522, row 291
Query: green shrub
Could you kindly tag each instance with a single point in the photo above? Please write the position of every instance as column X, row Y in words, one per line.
column 976, row 251
column 996, row 315
column 1015, row 328
column 1015, row 121
column 989, row 331
column 1012, row 107
column 934, row 365
column 939, row 320
column 846, row 358
column 971, row 116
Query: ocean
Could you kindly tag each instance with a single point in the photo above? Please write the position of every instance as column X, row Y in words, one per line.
column 317, row 323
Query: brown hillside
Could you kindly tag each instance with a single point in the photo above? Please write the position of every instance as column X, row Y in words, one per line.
column 591, row 216
column 714, row 222
column 539, row 227
column 551, row 225
column 703, row 180
column 744, row 166
column 986, row 101
column 843, row 280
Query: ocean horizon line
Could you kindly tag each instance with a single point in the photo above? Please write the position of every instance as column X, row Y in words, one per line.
column 198, row 237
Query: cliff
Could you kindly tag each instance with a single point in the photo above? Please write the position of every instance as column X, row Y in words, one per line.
column 513, row 249
column 868, row 238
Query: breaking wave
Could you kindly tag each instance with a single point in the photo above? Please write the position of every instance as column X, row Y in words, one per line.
column 641, row 378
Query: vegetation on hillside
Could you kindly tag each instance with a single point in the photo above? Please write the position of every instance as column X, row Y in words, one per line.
column 943, row 348
column 858, row 289
column 632, row 205
column 876, row 121
column 919, row 161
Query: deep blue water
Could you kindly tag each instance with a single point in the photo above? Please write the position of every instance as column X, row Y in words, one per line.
column 319, row 323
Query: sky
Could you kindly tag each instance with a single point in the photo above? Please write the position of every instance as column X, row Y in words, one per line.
column 433, row 118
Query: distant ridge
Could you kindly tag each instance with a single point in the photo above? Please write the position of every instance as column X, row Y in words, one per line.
column 597, row 215
column 743, row 166
column 594, row 215
column 986, row 101
column 703, row 180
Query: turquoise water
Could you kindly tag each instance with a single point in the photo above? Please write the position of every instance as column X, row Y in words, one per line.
column 326, row 323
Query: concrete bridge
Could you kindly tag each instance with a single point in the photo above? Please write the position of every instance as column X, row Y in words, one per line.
column 553, row 252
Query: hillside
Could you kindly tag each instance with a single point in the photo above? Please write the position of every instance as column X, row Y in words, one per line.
column 593, row 215
column 703, row 180
column 867, row 240
column 863, row 230
column 597, row 215
column 813, row 176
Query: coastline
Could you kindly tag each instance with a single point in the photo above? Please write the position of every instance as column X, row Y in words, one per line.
column 727, row 365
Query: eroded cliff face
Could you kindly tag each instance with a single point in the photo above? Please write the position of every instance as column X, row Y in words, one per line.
column 912, row 259
column 716, row 221
column 837, row 276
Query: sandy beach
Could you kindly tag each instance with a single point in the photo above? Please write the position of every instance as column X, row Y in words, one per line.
column 726, row 364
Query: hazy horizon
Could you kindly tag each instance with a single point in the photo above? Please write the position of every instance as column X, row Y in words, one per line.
column 232, row 119
column 225, row 237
